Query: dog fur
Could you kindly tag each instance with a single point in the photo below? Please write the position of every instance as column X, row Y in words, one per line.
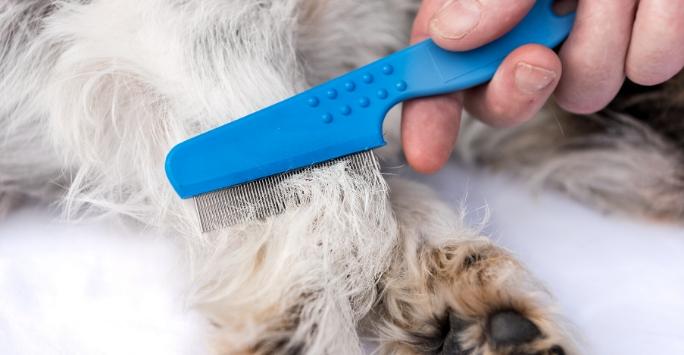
column 626, row 159
column 96, row 92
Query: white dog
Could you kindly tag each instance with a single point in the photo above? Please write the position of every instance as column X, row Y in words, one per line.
column 94, row 93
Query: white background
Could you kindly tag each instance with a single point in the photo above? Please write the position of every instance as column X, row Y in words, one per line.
column 94, row 289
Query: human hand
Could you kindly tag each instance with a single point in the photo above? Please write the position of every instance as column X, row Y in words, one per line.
column 611, row 39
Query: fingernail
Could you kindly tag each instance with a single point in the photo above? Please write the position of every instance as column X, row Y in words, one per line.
column 532, row 79
column 456, row 18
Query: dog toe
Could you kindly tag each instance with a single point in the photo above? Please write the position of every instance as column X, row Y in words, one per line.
column 452, row 345
column 511, row 328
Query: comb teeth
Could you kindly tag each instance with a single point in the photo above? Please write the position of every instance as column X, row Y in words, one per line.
column 266, row 197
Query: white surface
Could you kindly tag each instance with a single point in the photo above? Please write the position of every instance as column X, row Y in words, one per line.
column 77, row 290
column 95, row 290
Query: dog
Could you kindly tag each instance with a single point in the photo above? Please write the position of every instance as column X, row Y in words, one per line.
column 96, row 92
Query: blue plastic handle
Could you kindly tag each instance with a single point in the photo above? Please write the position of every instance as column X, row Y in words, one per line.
column 345, row 115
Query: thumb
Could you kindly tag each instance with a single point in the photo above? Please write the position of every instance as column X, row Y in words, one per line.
column 460, row 25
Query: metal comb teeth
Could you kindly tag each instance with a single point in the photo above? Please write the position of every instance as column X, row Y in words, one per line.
column 259, row 199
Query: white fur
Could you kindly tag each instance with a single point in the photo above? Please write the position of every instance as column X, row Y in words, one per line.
column 109, row 102
column 97, row 92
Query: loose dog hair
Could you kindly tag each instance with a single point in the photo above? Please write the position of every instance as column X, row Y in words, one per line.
column 96, row 92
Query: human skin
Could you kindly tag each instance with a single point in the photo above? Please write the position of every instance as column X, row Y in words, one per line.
column 642, row 40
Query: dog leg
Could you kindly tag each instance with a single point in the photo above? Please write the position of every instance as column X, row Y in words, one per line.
column 450, row 291
column 300, row 282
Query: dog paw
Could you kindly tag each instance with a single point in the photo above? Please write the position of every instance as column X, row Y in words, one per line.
column 504, row 332
column 467, row 299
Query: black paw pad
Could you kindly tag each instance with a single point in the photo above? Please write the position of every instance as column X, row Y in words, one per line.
column 556, row 350
column 451, row 345
column 511, row 328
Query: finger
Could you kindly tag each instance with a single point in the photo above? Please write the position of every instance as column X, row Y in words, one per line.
column 520, row 87
column 429, row 128
column 460, row 25
column 420, row 30
column 594, row 55
column 656, row 52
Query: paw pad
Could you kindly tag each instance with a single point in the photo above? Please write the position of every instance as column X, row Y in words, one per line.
column 511, row 328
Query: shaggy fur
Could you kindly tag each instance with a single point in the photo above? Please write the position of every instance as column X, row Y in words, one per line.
column 628, row 158
column 95, row 93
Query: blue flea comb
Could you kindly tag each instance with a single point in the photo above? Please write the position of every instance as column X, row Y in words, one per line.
column 233, row 170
